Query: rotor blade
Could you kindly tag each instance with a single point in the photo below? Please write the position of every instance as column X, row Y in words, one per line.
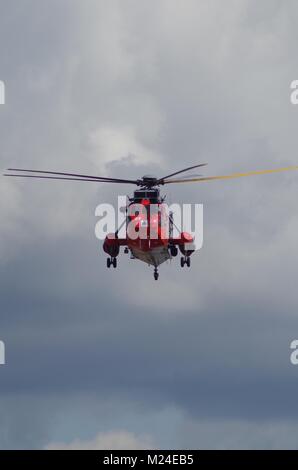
column 69, row 178
column 102, row 178
column 181, row 171
column 187, row 177
column 235, row 175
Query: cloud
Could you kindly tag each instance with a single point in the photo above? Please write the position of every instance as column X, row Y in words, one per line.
column 111, row 144
column 114, row 440
column 128, row 89
column 238, row 434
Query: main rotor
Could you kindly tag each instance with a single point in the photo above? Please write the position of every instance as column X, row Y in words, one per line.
column 146, row 181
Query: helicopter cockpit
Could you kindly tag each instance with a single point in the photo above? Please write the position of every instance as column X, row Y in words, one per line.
column 151, row 195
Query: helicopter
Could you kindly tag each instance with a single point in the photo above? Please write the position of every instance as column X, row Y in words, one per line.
column 142, row 218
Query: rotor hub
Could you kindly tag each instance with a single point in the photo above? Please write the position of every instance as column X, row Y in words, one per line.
column 148, row 181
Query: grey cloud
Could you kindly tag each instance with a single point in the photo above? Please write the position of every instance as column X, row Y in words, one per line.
column 132, row 88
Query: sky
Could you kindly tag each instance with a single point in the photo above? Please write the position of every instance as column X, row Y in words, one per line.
column 102, row 359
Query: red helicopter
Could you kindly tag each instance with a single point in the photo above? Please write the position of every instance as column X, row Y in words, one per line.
column 152, row 250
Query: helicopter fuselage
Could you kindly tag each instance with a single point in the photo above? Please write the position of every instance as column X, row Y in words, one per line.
column 149, row 232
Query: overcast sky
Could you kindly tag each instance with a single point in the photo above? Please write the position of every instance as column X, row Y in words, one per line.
column 101, row 358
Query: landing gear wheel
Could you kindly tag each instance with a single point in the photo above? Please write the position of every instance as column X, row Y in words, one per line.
column 188, row 261
column 126, row 250
column 182, row 262
column 114, row 261
column 173, row 251
column 156, row 275
column 108, row 262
